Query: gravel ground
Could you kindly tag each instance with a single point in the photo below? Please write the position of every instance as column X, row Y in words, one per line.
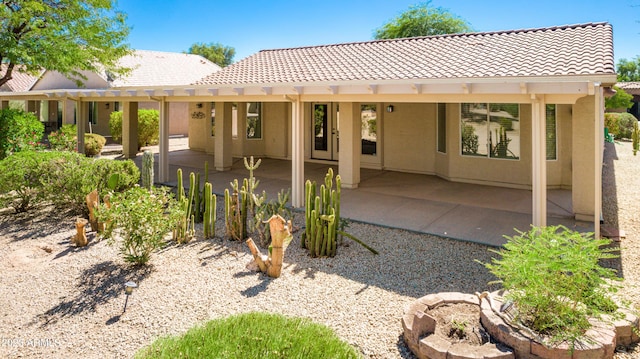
column 60, row 301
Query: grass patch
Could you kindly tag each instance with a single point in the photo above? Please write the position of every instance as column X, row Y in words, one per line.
column 253, row 335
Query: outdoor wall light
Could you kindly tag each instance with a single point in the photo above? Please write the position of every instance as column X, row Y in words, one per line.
column 390, row 108
column 199, row 105
column 128, row 290
column 106, row 106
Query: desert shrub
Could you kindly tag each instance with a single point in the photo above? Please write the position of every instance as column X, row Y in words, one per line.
column 139, row 219
column 93, row 144
column 20, row 179
column 620, row 124
column 19, row 131
column 148, row 127
column 65, row 139
column 553, row 276
column 253, row 335
column 102, row 169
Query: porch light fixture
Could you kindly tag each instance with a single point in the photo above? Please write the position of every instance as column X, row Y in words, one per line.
column 106, row 106
column 199, row 105
column 390, row 108
column 128, row 290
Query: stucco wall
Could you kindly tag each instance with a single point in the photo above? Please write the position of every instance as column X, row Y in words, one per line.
column 55, row 80
column 199, row 131
column 277, row 119
column 409, row 138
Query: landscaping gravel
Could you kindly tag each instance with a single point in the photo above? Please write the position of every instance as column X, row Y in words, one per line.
column 60, row 301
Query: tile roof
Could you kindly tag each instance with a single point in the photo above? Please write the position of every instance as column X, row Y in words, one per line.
column 632, row 88
column 154, row 68
column 19, row 82
column 583, row 49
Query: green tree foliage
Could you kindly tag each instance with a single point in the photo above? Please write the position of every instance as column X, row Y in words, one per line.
column 68, row 36
column 620, row 100
column 19, row 131
column 422, row 20
column 214, row 52
column 629, row 70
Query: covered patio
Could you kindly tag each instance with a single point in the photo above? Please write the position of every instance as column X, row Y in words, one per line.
column 415, row 202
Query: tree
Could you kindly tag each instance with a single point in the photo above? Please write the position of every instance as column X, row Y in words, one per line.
column 67, row 36
column 214, row 52
column 422, row 20
column 629, row 70
column 620, row 100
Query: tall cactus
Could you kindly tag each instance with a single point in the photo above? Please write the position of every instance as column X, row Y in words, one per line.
column 209, row 219
column 635, row 137
column 185, row 228
column 147, row 169
column 322, row 216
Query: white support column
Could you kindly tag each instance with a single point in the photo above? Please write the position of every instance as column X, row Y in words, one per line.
column 598, row 156
column 350, row 144
column 297, row 154
column 129, row 129
column 163, row 156
column 539, row 160
column 81, row 123
column 223, row 159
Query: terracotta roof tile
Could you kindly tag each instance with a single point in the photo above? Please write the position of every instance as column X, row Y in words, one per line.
column 583, row 49
column 20, row 81
column 155, row 68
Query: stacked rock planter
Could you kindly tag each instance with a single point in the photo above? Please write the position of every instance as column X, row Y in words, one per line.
column 419, row 327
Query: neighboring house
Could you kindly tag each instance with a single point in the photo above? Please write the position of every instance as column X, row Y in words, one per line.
column 519, row 109
column 632, row 88
column 148, row 68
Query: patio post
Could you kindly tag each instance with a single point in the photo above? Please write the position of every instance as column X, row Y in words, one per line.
column 81, row 123
column 539, row 160
column 4, row 104
column 297, row 153
column 222, row 157
column 129, row 129
column 599, row 153
column 163, row 156
column 350, row 144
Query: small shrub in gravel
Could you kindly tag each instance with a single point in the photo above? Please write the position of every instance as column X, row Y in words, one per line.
column 620, row 124
column 253, row 335
column 64, row 139
column 139, row 219
column 20, row 179
column 93, row 144
column 553, row 276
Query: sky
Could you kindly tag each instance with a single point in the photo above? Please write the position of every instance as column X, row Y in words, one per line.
column 253, row 25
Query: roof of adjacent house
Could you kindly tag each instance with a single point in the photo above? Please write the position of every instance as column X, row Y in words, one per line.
column 20, row 81
column 582, row 49
column 155, row 68
column 632, row 88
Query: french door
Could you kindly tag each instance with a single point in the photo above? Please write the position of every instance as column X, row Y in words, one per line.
column 325, row 137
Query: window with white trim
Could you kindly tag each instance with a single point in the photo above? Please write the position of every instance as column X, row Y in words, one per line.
column 552, row 137
column 490, row 130
column 254, row 120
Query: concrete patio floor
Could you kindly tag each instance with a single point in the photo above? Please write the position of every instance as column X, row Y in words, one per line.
column 415, row 202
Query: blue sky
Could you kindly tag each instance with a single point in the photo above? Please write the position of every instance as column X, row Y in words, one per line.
column 251, row 26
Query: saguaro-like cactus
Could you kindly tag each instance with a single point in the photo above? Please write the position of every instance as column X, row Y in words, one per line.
column 209, row 219
column 635, row 137
column 185, row 228
column 147, row 169
column 322, row 215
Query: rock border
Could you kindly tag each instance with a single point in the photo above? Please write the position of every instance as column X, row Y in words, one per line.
column 418, row 326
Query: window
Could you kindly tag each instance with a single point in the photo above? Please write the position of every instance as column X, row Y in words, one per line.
column 490, row 130
column 442, row 127
column 369, row 129
column 254, row 120
column 93, row 113
column 213, row 119
column 552, row 151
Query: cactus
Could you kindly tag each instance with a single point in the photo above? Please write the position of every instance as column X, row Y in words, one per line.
column 209, row 220
column 147, row 169
column 185, row 228
column 322, row 216
column 635, row 137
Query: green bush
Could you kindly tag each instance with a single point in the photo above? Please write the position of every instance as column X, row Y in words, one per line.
column 19, row 131
column 148, row 127
column 65, row 139
column 60, row 177
column 20, row 179
column 253, row 335
column 553, row 276
column 93, row 144
column 141, row 219
column 620, row 124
